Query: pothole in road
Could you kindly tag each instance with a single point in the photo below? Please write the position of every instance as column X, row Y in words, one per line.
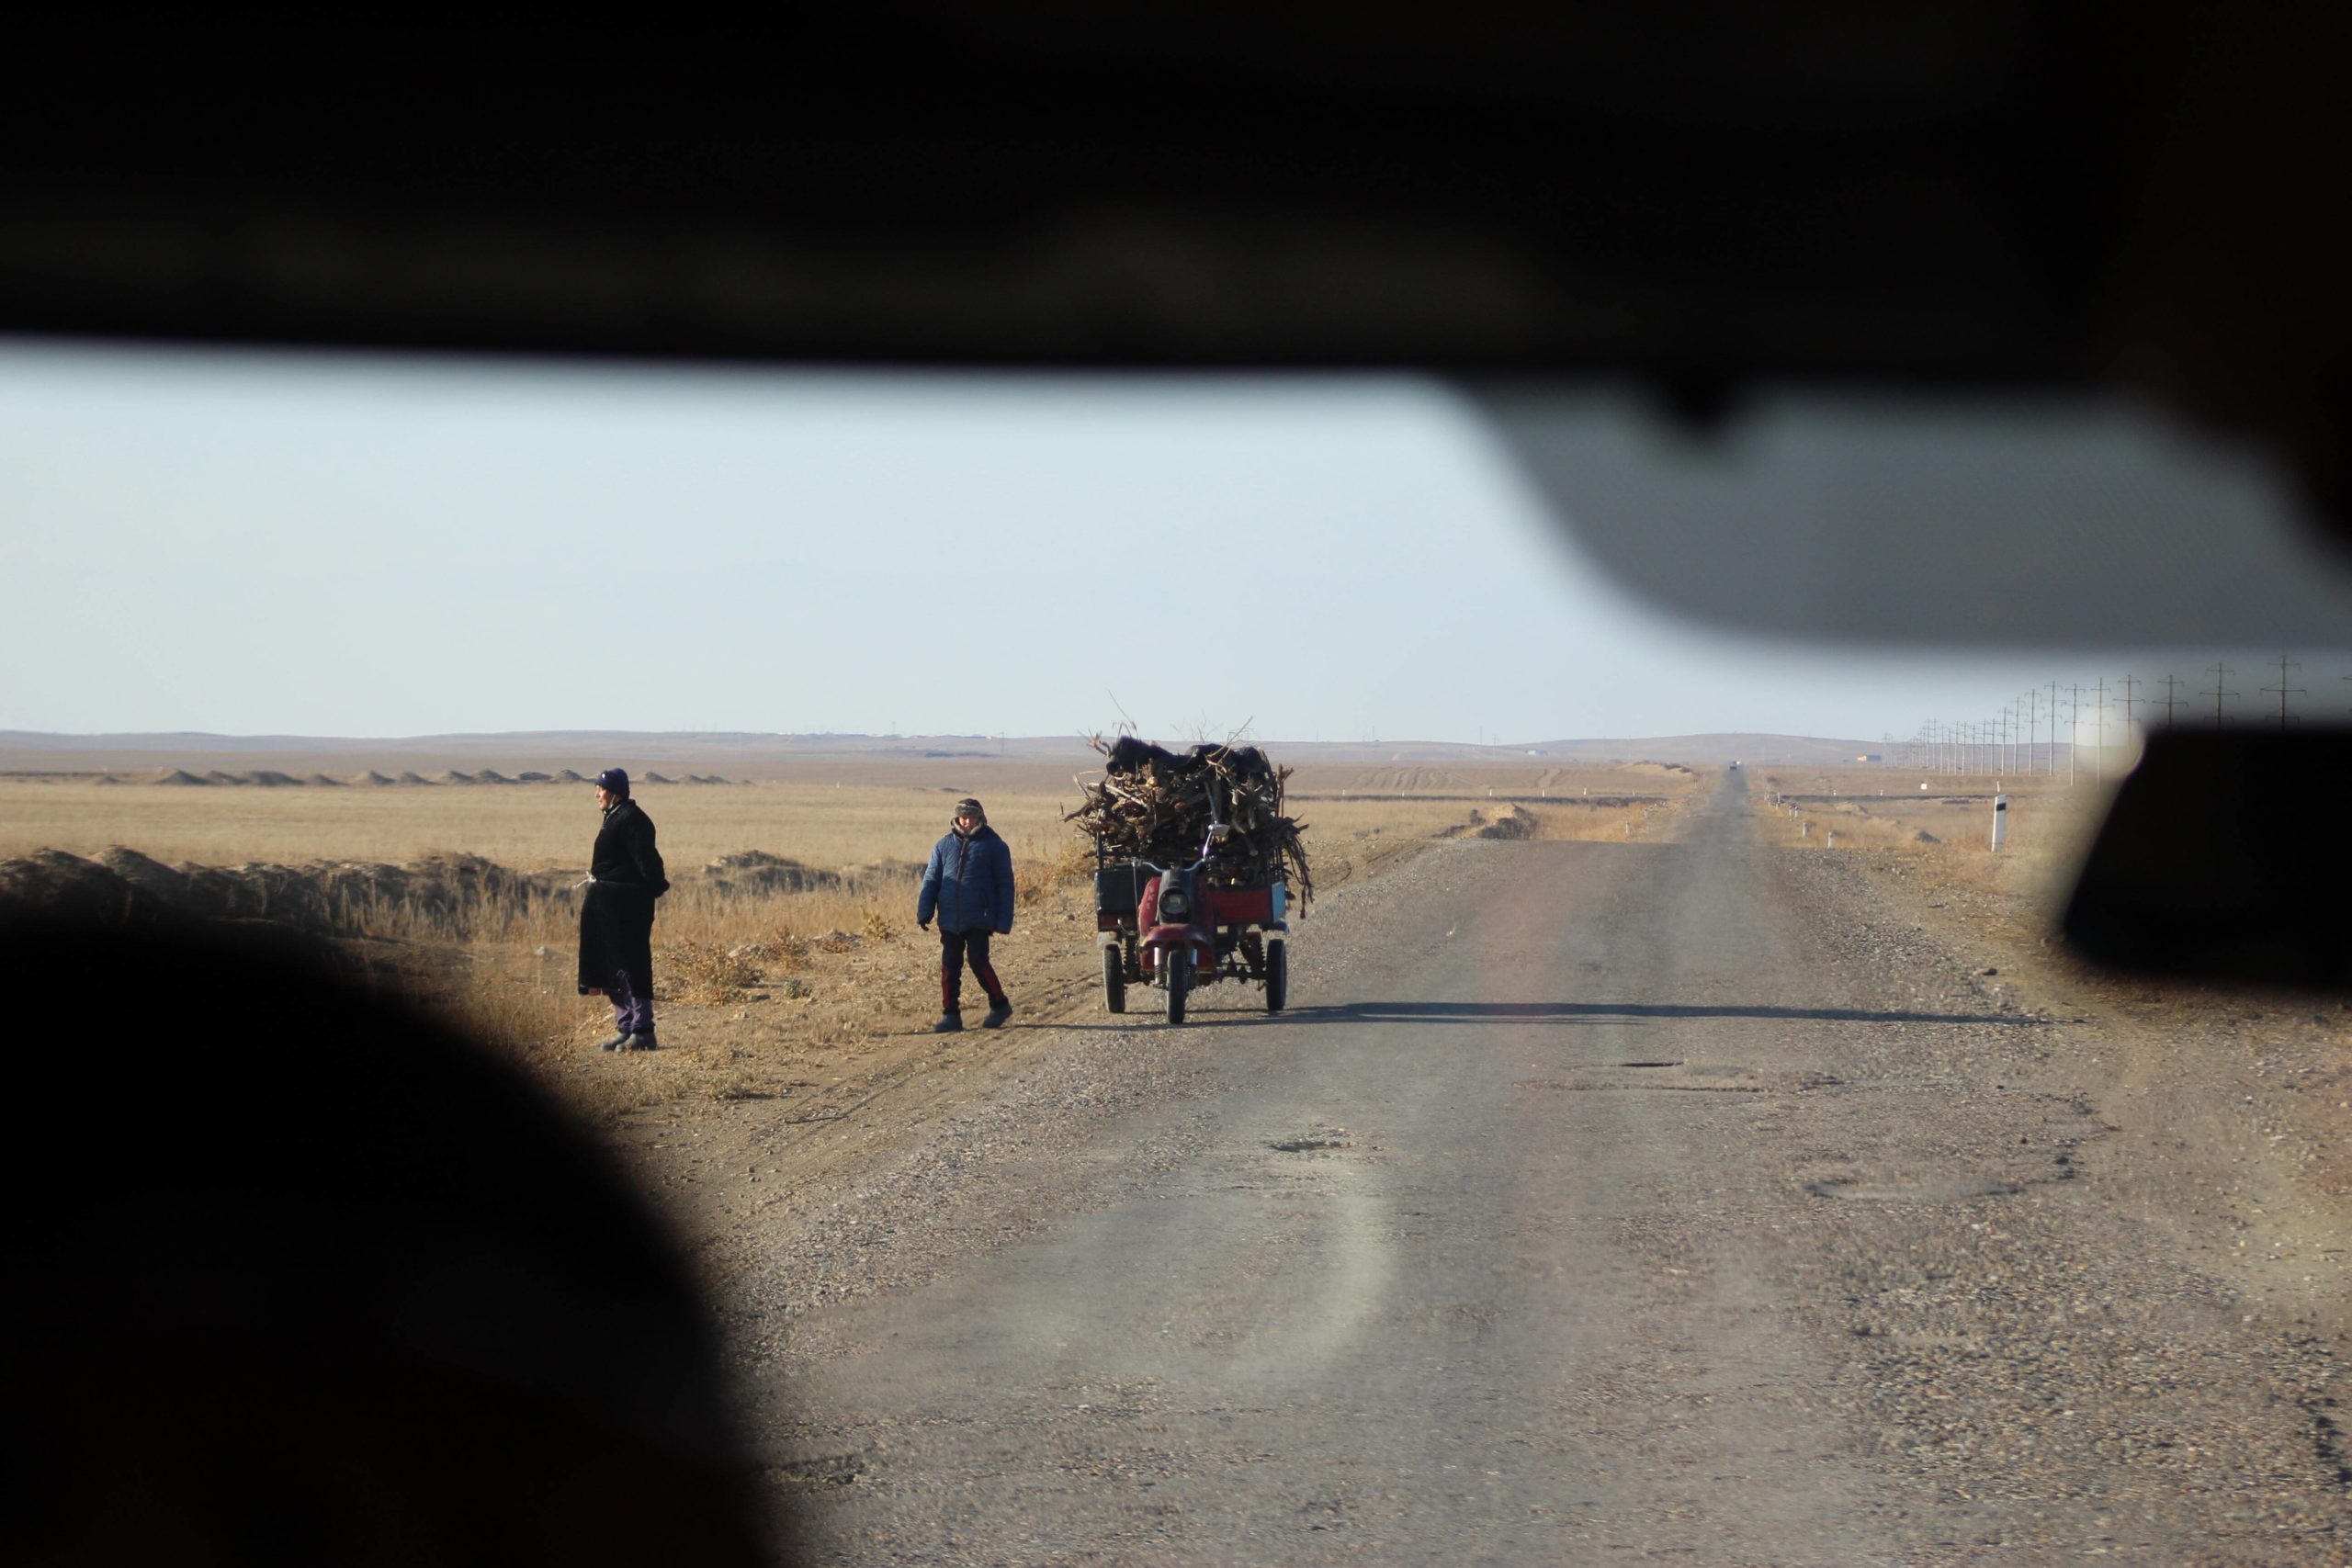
column 824, row 1470
column 1949, row 1192
column 1307, row 1145
column 1649, row 1064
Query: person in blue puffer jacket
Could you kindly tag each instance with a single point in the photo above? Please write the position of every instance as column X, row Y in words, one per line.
column 968, row 886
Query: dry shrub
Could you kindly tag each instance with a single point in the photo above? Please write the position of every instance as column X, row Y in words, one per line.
column 1052, row 862
column 877, row 926
column 702, row 974
column 518, row 1002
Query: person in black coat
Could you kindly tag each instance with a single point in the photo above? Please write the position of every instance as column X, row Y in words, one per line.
column 625, row 876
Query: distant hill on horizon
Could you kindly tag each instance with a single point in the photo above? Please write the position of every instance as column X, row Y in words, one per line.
column 32, row 751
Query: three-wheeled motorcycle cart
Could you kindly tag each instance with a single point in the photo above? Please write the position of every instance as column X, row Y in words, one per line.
column 1174, row 928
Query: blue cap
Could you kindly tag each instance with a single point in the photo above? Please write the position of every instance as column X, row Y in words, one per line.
column 613, row 781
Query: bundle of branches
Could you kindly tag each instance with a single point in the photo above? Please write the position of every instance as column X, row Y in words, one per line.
column 1157, row 805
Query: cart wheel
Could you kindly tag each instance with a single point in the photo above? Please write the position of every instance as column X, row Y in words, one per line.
column 1178, row 964
column 1115, row 980
column 1277, row 975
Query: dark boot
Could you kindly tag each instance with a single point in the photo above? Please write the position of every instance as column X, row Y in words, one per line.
column 643, row 1041
column 617, row 1042
column 999, row 1011
column 950, row 1022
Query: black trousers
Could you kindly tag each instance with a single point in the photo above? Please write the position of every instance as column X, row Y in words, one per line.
column 954, row 947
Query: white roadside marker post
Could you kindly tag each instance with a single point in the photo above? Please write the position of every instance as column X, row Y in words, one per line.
column 2000, row 820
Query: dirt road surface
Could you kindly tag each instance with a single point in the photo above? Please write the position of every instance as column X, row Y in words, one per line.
column 1686, row 1200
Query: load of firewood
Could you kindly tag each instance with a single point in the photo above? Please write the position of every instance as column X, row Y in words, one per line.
column 1156, row 804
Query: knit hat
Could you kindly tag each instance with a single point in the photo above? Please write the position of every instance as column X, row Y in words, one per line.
column 613, row 781
column 969, row 808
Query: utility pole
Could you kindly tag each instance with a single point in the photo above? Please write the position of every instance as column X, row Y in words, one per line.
column 2099, row 730
column 2053, row 768
column 2129, row 682
column 2220, row 684
column 2170, row 681
column 2282, row 688
column 2074, row 729
column 2033, row 723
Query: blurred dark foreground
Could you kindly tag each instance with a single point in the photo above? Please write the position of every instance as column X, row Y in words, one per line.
column 295, row 1275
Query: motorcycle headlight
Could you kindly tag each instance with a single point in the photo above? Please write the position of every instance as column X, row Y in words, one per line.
column 1176, row 902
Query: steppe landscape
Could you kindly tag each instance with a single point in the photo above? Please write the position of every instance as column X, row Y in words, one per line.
column 1656, row 1159
column 786, row 949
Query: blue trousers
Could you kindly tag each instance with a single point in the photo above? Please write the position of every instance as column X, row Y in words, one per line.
column 632, row 1014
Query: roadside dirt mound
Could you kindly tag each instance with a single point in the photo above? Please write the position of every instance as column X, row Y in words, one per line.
column 444, row 892
column 1673, row 770
column 149, row 875
column 270, row 778
column 757, row 871
column 54, row 884
column 565, row 775
column 893, row 871
column 533, row 778
column 414, row 778
column 657, row 778
column 324, row 779
column 178, row 776
column 452, row 776
column 217, row 776
column 371, row 777
column 1495, row 822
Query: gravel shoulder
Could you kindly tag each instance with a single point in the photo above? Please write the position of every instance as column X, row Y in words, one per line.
column 2134, row 1342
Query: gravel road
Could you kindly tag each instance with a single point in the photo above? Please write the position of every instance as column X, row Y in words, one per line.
column 1689, row 1201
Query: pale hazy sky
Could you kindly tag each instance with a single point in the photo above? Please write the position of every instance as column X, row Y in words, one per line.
column 382, row 548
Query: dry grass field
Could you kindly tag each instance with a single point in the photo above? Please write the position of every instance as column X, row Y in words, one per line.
column 760, row 990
